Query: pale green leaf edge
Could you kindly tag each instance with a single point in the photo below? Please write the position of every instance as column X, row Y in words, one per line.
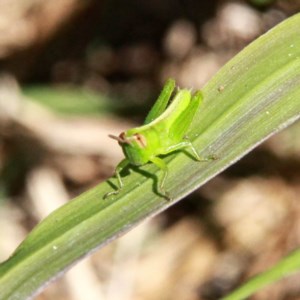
column 288, row 265
column 253, row 96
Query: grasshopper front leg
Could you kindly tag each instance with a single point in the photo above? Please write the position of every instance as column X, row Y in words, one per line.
column 122, row 164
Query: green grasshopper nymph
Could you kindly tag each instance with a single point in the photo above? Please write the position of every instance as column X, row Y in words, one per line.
column 162, row 133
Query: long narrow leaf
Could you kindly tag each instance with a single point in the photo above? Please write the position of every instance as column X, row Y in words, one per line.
column 253, row 96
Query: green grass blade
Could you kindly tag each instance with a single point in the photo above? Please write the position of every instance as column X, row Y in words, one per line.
column 69, row 99
column 253, row 96
column 285, row 267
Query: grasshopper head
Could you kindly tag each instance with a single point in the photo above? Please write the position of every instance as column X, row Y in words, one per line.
column 134, row 147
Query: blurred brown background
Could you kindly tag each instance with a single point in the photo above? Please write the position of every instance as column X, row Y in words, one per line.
column 72, row 72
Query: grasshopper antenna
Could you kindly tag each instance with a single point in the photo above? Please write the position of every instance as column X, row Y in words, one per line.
column 119, row 138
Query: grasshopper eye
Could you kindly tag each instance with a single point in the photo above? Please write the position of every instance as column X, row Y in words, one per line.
column 140, row 139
